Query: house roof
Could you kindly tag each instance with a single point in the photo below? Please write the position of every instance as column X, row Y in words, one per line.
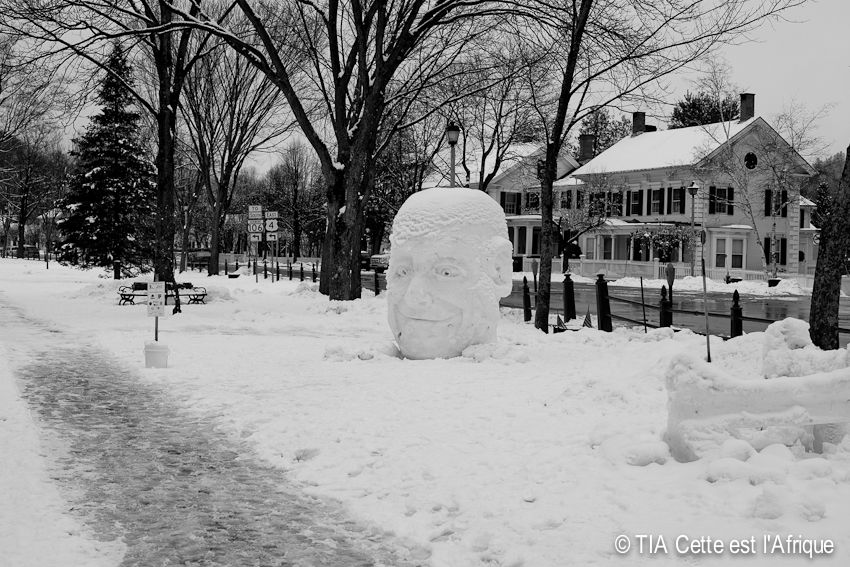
column 665, row 148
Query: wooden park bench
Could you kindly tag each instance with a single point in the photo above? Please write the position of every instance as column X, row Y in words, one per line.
column 127, row 294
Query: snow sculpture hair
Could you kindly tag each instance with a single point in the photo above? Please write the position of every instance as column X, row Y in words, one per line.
column 450, row 263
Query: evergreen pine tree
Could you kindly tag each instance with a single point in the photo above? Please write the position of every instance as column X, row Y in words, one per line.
column 704, row 108
column 109, row 210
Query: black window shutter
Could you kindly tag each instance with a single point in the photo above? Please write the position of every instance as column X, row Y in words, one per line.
column 669, row 200
column 648, row 202
column 730, row 196
column 628, row 210
column 640, row 201
column 681, row 191
column 767, row 256
column 502, row 199
column 768, row 205
column 783, row 251
column 712, row 200
column 784, row 203
column 661, row 201
column 579, row 198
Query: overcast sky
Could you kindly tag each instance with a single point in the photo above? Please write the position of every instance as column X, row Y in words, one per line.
column 806, row 59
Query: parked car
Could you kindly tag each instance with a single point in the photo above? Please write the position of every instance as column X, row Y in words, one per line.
column 379, row 262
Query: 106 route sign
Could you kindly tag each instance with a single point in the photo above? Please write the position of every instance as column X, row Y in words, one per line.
column 255, row 225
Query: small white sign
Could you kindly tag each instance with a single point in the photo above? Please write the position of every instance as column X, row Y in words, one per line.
column 271, row 214
column 271, row 237
column 255, row 237
column 255, row 226
column 156, row 299
column 255, row 208
column 255, row 216
column 271, row 225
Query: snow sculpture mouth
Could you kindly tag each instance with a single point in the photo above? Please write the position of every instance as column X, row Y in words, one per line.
column 450, row 263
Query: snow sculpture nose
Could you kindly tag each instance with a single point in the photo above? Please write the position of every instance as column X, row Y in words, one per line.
column 417, row 294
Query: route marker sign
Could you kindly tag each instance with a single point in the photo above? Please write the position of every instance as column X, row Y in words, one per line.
column 271, row 214
column 271, row 225
column 255, row 237
column 255, row 225
column 271, row 237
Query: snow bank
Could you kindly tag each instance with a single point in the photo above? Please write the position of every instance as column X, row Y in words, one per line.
column 708, row 404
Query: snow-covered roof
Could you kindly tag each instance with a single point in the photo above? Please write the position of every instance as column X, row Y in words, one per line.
column 664, row 148
column 737, row 226
column 804, row 202
column 568, row 181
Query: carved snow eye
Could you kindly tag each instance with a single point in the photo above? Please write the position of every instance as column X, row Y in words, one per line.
column 447, row 271
column 402, row 271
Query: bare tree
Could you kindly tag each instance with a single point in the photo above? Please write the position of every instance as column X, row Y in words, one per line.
column 601, row 51
column 83, row 29
column 231, row 110
column 352, row 61
column 834, row 211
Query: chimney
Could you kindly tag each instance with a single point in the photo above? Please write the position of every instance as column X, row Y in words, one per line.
column 638, row 122
column 585, row 147
column 748, row 106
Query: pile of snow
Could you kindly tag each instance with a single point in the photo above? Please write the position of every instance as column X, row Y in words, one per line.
column 798, row 387
column 536, row 450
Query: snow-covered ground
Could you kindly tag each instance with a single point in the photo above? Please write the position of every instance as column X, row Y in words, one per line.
column 535, row 451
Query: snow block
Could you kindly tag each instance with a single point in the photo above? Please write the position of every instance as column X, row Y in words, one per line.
column 706, row 407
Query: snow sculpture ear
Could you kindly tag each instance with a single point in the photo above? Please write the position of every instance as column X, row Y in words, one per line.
column 500, row 260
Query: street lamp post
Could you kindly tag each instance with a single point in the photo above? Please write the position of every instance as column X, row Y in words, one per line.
column 452, row 134
column 693, row 191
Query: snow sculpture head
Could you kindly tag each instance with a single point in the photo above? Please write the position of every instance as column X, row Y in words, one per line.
column 450, row 263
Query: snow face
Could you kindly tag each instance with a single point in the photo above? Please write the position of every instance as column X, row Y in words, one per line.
column 450, row 263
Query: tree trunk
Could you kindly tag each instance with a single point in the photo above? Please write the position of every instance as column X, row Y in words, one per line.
column 215, row 242
column 165, row 229
column 296, row 224
column 22, row 221
column 834, row 244
column 548, row 245
column 340, row 273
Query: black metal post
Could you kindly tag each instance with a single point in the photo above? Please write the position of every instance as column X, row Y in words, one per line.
column 265, row 270
column 603, row 305
column 302, row 272
column 666, row 309
column 225, row 266
column 377, row 283
column 277, row 271
column 569, row 298
column 290, row 270
column 314, row 273
column 737, row 322
column 237, row 266
column 116, row 270
column 526, row 300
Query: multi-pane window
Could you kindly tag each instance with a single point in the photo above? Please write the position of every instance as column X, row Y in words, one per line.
column 636, row 203
column 720, row 253
column 532, row 200
column 567, row 199
column 737, row 253
column 657, row 201
column 678, row 205
column 721, row 202
column 511, row 202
